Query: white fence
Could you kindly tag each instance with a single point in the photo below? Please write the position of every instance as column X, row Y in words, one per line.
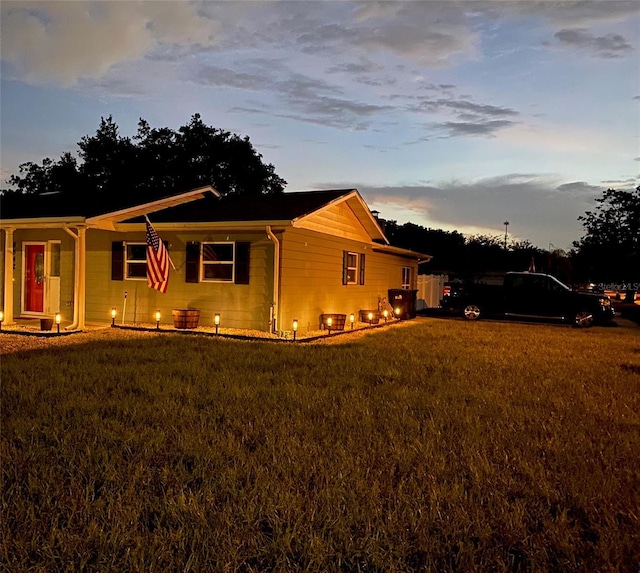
column 430, row 291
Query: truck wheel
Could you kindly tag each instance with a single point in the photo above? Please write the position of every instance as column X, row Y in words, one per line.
column 471, row 312
column 583, row 319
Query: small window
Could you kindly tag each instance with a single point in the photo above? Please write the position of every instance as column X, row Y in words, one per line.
column 217, row 262
column 406, row 278
column 54, row 249
column 135, row 262
column 352, row 268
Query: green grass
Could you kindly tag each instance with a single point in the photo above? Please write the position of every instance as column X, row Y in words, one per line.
column 441, row 446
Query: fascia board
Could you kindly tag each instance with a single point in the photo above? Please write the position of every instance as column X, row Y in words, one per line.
column 391, row 250
column 152, row 206
column 232, row 226
column 42, row 222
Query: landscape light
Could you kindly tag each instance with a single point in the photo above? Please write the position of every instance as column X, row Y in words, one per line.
column 352, row 319
column 58, row 320
column 329, row 324
column 370, row 318
column 295, row 328
column 385, row 313
column 397, row 310
column 158, row 319
column 216, row 320
column 1, row 318
column 114, row 312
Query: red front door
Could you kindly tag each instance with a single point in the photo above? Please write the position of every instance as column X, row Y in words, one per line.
column 34, row 278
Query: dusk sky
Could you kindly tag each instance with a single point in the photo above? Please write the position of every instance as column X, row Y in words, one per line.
column 451, row 115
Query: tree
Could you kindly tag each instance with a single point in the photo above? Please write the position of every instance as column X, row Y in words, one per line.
column 156, row 162
column 609, row 251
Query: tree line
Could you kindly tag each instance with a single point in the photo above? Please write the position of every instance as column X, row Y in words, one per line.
column 111, row 169
column 156, row 162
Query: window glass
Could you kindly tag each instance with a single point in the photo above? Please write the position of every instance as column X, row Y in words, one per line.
column 406, row 277
column 217, row 262
column 55, row 259
column 136, row 261
column 352, row 268
column 218, row 252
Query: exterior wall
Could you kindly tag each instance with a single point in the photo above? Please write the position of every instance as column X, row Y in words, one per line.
column 67, row 248
column 240, row 306
column 311, row 277
column 340, row 221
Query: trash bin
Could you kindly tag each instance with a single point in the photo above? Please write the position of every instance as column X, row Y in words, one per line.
column 403, row 302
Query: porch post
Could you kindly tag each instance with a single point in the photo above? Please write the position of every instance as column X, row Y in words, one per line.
column 8, row 276
column 82, row 283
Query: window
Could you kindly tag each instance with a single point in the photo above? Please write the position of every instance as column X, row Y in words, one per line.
column 352, row 268
column 217, row 262
column 135, row 261
column 54, row 249
column 406, row 278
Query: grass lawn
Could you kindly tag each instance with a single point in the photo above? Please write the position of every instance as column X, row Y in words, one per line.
column 437, row 446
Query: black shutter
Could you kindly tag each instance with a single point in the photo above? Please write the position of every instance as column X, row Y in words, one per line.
column 361, row 268
column 345, row 272
column 117, row 261
column 242, row 263
column 192, row 265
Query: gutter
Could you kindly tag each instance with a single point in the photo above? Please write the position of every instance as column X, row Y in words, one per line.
column 275, row 305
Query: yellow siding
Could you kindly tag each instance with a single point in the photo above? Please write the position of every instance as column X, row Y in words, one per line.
column 311, row 277
column 240, row 306
column 338, row 220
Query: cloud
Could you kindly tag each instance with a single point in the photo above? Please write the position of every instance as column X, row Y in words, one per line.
column 466, row 118
column 473, row 128
column 568, row 12
column 538, row 206
column 579, row 187
column 609, row 46
column 64, row 42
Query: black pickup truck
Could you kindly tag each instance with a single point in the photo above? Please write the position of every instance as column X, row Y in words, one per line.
column 528, row 295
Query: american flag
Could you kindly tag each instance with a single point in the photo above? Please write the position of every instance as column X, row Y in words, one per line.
column 157, row 261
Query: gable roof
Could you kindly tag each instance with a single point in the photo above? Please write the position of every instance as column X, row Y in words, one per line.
column 285, row 208
column 204, row 205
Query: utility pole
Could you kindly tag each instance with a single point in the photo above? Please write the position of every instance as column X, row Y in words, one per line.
column 506, row 233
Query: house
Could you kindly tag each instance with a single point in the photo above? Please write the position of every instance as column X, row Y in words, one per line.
column 259, row 262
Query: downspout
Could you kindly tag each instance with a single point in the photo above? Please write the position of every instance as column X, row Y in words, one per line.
column 79, row 289
column 276, row 280
column 7, row 307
